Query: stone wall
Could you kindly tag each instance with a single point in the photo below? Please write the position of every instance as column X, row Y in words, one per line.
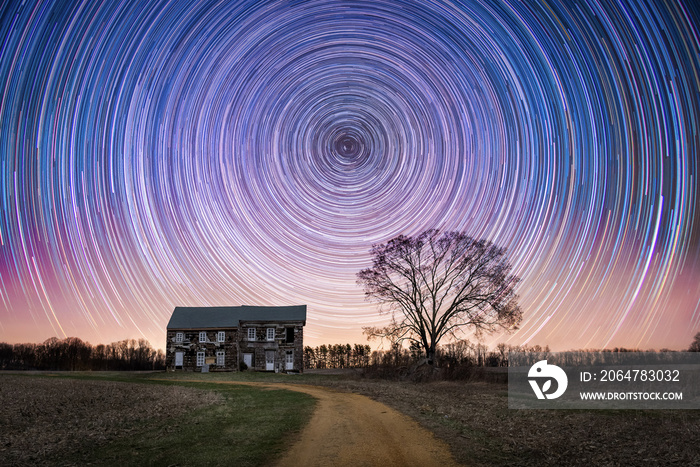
column 299, row 348
column 279, row 345
column 190, row 345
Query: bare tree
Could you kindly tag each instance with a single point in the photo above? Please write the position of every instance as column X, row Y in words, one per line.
column 695, row 345
column 435, row 284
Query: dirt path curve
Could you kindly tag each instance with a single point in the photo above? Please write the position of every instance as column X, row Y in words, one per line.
column 351, row 429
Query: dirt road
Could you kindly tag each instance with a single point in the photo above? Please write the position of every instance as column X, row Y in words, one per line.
column 350, row 429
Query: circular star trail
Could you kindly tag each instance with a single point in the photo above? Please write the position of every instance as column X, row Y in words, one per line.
column 199, row 153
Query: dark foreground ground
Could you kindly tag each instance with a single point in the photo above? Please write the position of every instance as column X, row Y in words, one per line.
column 474, row 419
column 58, row 421
column 129, row 419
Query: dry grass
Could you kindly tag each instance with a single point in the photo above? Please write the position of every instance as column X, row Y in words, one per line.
column 47, row 418
column 475, row 420
column 50, row 418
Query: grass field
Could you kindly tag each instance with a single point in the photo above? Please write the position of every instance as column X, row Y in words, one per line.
column 238, row 425
column 474, row 419
column 127, row 419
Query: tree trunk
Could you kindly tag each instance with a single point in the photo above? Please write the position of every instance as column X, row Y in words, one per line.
column 430, row 354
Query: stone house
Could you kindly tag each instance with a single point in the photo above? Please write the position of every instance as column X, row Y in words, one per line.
column 222, row 338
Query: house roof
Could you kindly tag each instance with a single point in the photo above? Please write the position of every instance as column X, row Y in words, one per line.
column 230, row 316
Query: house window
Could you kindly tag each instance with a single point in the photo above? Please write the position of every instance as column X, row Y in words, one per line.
column 179, row 337
column 220, row 358
column 220, row 336
column 271, row 334
column 251, row 334
column 200, row 358
column 202, row 336
column 290, row 335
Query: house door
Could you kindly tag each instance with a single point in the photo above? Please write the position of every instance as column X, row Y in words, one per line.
column 289, row 360
column 179, row 356
column 270, row 360
column 248, row 359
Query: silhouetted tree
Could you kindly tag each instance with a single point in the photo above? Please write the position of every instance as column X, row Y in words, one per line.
column 458, row 352
column 436, row 283
column 309, row 357
column 695, row 345
column 6, row 355
column 337, row 356
column 76, row 354
column 322, row 356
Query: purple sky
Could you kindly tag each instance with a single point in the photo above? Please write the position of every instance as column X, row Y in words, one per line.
column 196, row 153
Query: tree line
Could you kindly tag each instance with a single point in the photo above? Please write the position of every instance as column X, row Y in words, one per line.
column 74, row 354
column 460, row 352
column 337, row 356
column 465, row 353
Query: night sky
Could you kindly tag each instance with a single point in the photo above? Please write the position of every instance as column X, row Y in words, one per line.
column 192, row 153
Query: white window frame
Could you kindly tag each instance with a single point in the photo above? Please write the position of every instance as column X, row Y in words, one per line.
column 179, row 337
column 220, row 358
column 251, row 334
column 202, row 336
column 200, row 358
column 220, row 336
column 270, row 334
